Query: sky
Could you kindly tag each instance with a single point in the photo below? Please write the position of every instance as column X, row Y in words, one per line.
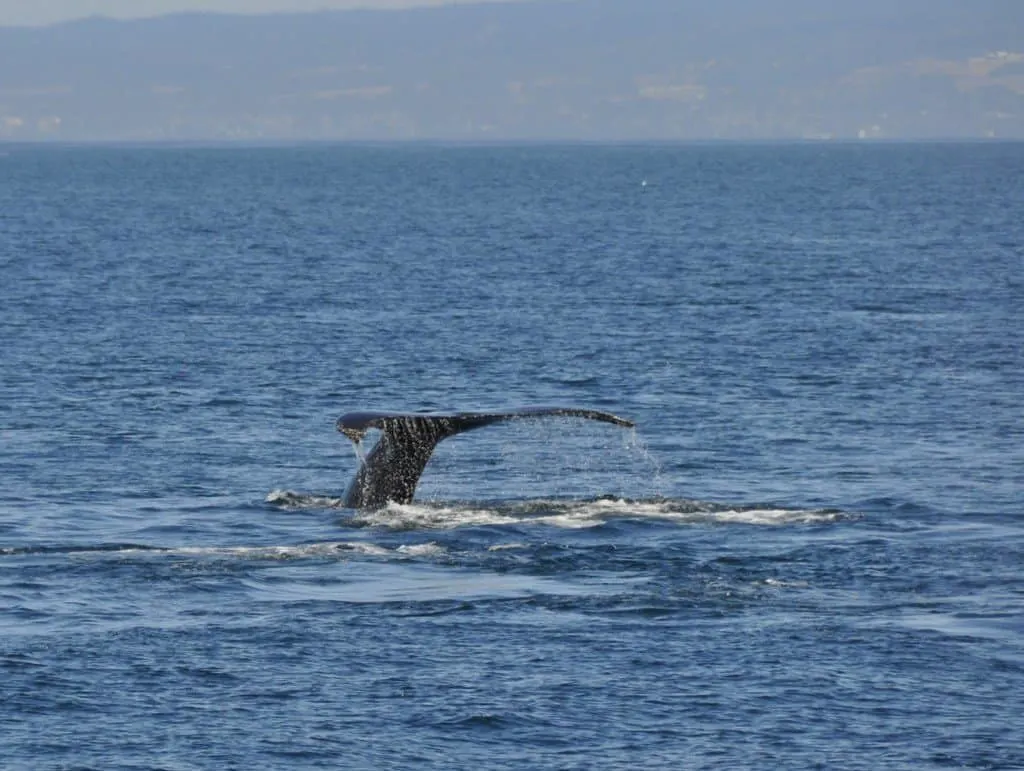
column 37, row 12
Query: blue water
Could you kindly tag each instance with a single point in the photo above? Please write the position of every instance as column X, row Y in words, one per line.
column 807, row 555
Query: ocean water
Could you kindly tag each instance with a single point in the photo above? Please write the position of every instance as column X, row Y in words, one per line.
column 807, row 555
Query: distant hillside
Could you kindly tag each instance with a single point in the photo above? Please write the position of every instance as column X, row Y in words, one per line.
column 589, row 69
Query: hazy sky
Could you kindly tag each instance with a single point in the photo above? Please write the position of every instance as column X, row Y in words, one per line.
column 17, row 12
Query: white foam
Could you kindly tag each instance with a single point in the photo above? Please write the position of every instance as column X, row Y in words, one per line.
column 779, row 583
column 582, row 514
column 570, row 521
column 774, row 516
column 288, row 499
column 414, row 516
column 430, row 549
column 299, row 551
column 330, row 549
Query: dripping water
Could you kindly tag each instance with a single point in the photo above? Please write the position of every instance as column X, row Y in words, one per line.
column 360, row 450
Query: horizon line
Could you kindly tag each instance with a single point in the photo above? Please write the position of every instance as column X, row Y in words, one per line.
column 414, row 5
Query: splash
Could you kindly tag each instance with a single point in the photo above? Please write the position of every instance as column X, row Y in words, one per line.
column 636, row 445
column 360, row 450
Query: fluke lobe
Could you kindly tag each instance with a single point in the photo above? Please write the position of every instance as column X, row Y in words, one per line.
column 393, row 467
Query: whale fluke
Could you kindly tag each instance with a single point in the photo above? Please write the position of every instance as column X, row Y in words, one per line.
column 393, row 467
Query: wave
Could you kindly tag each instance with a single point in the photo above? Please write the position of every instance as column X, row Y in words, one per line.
column 556, row 513
column 298, row 551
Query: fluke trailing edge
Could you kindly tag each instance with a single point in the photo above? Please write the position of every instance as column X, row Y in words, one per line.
column 393, row 467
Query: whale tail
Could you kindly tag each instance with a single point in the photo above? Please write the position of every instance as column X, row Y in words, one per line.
column 393, row 467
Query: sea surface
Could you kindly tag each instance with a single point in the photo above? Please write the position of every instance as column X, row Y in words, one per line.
column 808, row 554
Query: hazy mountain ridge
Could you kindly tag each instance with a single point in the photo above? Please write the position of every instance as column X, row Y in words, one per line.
column 591, row 69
